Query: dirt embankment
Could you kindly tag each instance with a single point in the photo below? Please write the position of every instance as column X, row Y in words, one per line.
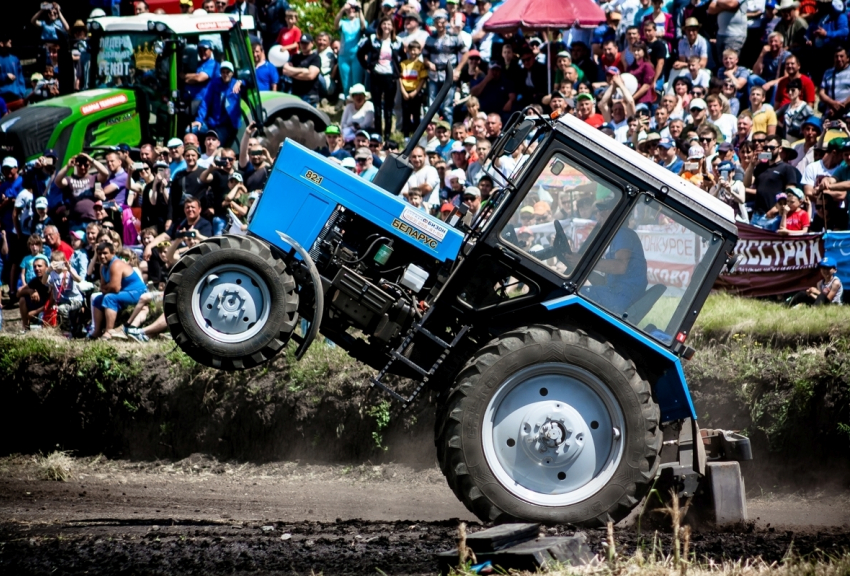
column 148, row 402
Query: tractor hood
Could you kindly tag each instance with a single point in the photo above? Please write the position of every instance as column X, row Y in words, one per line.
column 90, row 101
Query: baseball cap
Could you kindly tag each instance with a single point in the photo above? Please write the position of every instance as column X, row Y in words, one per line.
column 362, row 152
column 526, row 210
column 77, row 235
column 666, row 143
column 205, row 44
column 41, row 202
column 585, row 96
column 458, row 147
column 37, row 76
column 226, row 66
column 795, row 191
column 696, row 152
column 564, row 54
column 306, row 38
column 535, row 40
column 362, row 133
column 836, row 144
column 612, row 70
column 357, row 89
column 473, row 54
column 447, row 207
column 470, row 140
column 375, row 138
column 413, row 16
column 9, row 162
column 827, row 262
column 781, row 196
column 160, row 164
column 606, row 203
column 333, row 129
column 440, row 14
column 186, row 2
column 443, row 124
column 388, row 3
column 472, row 191
column 51, row 153
column 724, row 147
column 348, row 162
column 236, row 176
column 541, row 208
column 123, row 147
column 174, row 143
column 697, row 103
column 726, row 165
column 191, row 148
column 212, row 133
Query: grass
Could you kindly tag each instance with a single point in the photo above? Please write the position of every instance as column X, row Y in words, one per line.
column 725, row 315
column 57, row 465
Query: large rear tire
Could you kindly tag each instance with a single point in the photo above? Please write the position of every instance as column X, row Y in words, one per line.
column 230, row 304
column 549, row 425
column 302, row 131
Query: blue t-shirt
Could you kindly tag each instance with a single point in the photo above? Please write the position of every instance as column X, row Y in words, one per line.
column 267, row 76
column 445, row 150
column 676, row 166
column 50, row 30
column 199, row 91
column 176, row 166
column 622, row 290
column 10, row 190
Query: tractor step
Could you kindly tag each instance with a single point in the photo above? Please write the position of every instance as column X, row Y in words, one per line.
column 398, row 355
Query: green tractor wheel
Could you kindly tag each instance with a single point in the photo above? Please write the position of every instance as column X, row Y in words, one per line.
column 279, row 129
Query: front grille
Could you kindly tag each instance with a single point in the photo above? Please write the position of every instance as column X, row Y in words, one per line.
column 25, row 133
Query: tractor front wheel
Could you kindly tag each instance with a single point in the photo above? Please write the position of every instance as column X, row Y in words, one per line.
column 230, row 304
column 549, row 425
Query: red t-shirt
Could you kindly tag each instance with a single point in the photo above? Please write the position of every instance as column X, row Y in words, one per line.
column 797, row 220
column 807, row 93
column 289, row 36
column 616, row 61
column 595, row 120
column 65, row 249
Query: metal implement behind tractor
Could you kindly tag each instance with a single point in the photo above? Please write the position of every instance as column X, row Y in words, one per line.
column 555, row 344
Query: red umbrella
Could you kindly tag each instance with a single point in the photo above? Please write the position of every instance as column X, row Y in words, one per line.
column 544, row 14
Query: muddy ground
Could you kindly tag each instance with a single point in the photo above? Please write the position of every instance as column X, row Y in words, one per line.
column 201, row 516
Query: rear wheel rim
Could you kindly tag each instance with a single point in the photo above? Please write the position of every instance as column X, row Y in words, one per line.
column 231, row 303
column 553, row 434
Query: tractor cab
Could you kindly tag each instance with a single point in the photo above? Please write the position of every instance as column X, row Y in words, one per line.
column 574, row 222
column 152, row 55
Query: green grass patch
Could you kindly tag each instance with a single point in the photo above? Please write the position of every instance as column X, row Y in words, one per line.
column 19, row 352
column 725, row 315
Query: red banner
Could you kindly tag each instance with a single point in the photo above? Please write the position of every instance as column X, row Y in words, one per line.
column 773, row 264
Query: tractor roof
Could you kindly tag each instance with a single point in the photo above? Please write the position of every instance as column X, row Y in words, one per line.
column 625, row 156
column 177, row 23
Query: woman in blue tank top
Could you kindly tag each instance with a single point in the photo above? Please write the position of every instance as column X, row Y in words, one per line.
column 120, row 287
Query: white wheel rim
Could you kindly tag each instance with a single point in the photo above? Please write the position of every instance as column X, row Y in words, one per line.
column 553, row 434
column 231, row 303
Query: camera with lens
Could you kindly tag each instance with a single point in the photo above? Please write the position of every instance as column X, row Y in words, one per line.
column 221, row 162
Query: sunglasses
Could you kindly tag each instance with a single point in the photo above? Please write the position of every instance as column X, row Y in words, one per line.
column 360, row 160
column 706, row 140
column 771, row 148
column 469, row 198
column 256, row 152
column 759, row 142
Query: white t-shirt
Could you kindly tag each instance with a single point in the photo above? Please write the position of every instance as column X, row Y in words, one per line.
column 814, row 172
column 727, row 124
column 364, row 118
column 621, row 130
column 427, row 175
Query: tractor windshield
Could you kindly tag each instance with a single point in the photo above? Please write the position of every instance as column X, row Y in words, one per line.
column 131, row 60
column 652, row 268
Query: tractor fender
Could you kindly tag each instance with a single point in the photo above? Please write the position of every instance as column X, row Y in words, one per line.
column 282, row 106
column 671, row 388
column 319, row 305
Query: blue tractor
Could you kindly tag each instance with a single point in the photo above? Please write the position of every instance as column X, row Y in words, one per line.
column 554, row 339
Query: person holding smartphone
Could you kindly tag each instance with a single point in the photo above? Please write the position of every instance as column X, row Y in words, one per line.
column 51, row 21
column 764, row 177
column 727, row 189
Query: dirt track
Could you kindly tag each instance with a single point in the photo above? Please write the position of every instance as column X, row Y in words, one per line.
column 201, row 516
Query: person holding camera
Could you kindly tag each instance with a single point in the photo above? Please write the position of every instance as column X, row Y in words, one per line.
column 351, row 24
column 764, row 177
column 78, row 187
column 216, row 176
column 193, row 225
column 727, row 189
column 187, row 183
column 51, row 21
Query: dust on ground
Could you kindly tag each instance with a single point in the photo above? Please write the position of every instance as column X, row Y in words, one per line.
column 200, row 515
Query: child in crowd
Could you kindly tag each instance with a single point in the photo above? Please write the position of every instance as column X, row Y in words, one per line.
column 65, row 294
column 40, row 220
column 37, row 248
column 414, row 196
column 412, row 82
column 80, row 258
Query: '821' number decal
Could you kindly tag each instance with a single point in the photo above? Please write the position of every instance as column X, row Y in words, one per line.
column 313, row 177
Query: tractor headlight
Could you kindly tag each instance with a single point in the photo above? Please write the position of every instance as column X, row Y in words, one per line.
column 151, row 25
column 94, row 26
column 160, row 27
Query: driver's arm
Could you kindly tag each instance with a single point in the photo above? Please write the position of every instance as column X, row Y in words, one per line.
column 616, row 265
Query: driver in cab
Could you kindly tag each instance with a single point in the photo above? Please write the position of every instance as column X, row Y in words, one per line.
column 619, row 278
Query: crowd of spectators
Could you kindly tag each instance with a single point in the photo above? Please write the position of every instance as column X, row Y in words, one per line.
column 742, row 99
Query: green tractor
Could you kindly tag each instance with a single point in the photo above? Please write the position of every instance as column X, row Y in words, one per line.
column 136, row 70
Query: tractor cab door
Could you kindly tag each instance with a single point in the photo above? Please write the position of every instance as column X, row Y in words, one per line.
column 243, row 62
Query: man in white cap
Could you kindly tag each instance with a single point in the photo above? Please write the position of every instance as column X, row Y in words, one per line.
column 349, row 164
column 472, row 198
column 175, row 152
column 10, row 187
column 220, row 110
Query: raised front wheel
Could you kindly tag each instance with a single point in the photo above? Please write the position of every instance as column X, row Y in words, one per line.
column 230, row 304
column 549, row 425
